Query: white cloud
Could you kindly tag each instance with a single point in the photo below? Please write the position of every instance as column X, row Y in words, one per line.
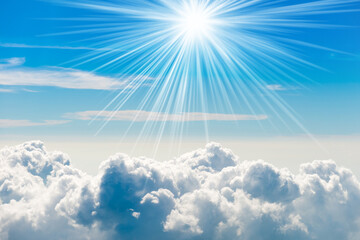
column 58, row 77
column 276, row 87
column 12, row 74
column 29, row 90
column 5, row 90
column 21, row 45
column 141, row 116
column 11, row 62
column 8, row 123
column 204, row 194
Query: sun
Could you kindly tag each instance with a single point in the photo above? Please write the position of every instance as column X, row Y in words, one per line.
column 195, row 20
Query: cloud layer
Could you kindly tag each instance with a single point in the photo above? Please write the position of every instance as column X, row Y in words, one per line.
column 204, row 194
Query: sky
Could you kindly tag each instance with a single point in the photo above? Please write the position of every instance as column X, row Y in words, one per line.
column 179, row 119
column 48, row 90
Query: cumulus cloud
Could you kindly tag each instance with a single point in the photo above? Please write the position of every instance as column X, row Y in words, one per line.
column 142, row 116
column 205, row 194
column 8, row 123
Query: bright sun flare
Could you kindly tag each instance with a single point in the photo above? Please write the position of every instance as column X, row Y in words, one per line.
column 195, row 21
column 196, row 56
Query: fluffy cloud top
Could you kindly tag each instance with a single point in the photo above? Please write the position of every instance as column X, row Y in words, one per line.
column 205, row 194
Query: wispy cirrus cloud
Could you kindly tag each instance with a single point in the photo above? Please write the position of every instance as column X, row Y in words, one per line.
column 29, row 90
column 276, row 87
column 13, row 74
column 11, row 62
column 6, row 90
column 142, row 116
column 21, row 45
column 11, row 123
column 10, row 90
column 58, row 77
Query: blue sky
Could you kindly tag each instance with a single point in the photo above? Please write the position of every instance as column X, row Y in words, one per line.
column 326, row 103
column 223, row 119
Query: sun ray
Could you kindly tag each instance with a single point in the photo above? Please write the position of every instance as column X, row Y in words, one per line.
column 202, row 56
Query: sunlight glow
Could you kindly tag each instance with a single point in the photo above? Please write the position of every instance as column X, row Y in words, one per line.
column 186, row 56
column 195, row 21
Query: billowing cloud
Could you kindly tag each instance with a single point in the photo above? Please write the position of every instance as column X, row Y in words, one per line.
column 142, row 116
column 204, row 194
column 8, row 123
column 13, row 74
